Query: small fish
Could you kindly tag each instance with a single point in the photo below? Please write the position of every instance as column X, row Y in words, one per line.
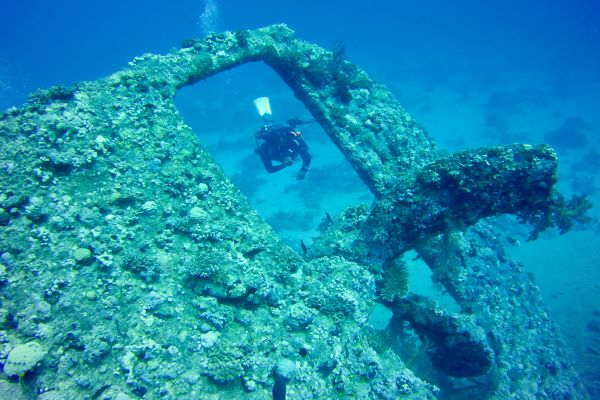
column 253, row 252
column 303, row 246
column 592, row 350
column 328, row 217
column 99, row 391
column 513, row 241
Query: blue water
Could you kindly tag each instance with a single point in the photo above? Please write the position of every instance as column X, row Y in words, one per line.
column 64, row 41
column 472, row 72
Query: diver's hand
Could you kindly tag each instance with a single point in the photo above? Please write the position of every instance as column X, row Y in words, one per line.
column 288, row 161
column 301, row 174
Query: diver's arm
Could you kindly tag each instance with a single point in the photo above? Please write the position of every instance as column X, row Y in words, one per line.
column 306, row 159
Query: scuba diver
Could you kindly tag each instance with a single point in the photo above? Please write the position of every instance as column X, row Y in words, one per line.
column 280, row 143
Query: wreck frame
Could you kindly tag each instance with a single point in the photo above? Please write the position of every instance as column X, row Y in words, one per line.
column 87, row 229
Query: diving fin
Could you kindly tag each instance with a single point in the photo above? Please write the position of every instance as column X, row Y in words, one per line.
column 264, row 108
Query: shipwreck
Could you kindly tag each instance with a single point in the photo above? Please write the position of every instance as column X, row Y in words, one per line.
column 124, row 280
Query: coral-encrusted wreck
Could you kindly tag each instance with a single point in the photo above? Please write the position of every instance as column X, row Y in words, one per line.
column 157, row 280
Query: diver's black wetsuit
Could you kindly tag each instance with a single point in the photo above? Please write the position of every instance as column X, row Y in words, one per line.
column 282, row 144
